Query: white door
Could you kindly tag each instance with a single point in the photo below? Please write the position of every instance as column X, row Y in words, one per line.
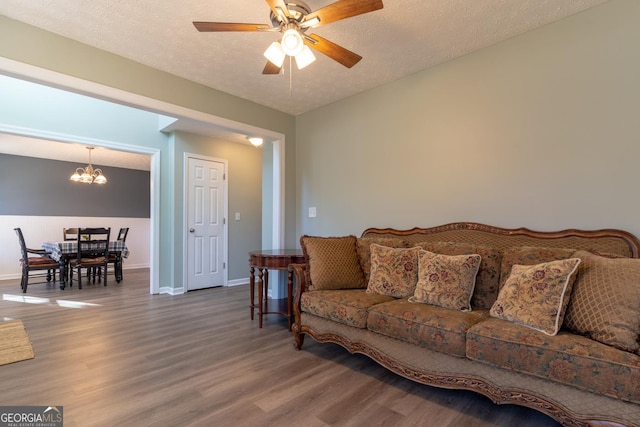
column 205, row 223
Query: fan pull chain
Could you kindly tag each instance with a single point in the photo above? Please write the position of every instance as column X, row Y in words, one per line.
column 290, row 76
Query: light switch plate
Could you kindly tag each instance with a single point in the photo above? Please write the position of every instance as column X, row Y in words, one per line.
column 237, row 216
column 312, row 212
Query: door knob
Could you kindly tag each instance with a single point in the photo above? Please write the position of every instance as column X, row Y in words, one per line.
column 192, row 230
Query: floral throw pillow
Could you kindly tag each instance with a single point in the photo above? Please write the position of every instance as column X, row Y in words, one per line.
column 446, row 280
column 487, row 279
column 394, row 271
column 537, row 296
column 364, row 251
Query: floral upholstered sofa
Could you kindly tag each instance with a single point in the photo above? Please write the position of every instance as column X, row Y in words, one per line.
column 547, row 320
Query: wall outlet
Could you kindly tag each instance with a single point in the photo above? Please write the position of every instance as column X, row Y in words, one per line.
column 312, row 212
column 237, row 216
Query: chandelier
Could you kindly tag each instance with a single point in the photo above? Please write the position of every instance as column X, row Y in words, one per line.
column 89, row 175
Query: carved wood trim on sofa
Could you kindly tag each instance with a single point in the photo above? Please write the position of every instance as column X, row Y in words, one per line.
column 632, row 241
column 497, row 395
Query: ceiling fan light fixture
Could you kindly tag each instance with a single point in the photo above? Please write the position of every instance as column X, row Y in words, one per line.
column 293, row 18
column 275, row 54
column 292, row 42
column 304, row 58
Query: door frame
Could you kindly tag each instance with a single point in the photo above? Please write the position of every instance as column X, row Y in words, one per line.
column 185, row 208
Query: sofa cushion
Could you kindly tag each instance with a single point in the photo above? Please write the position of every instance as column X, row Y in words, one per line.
column 566, row 358
column 605, row 303
column 529, row 255
column 364, row 250
column 537, row 295
column 333, row 262
column 394, row 271
column 437, row 328
column 487, row 279
column 349, row 306
column 446, row 280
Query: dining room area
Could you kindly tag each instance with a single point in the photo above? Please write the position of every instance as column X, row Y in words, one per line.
column 85, row 214
column 91, row 249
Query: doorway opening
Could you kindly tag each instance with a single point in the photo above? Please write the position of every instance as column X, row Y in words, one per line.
column 75, row 85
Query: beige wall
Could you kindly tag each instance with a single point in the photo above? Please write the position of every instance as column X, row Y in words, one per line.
column 541, row 131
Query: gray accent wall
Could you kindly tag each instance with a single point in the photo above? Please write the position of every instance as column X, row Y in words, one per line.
column 41, row 187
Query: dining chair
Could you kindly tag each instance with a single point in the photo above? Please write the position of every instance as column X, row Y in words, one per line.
column 39, row 263
column 115, row 258
column 92, row 253
column 69, row 233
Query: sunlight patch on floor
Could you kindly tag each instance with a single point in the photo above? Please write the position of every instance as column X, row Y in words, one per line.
column 37, row 300
column 75, row 304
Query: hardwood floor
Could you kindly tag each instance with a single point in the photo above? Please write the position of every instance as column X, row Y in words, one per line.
column 117, row 356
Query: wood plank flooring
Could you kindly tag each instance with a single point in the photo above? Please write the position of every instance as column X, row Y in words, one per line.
column 117, row 356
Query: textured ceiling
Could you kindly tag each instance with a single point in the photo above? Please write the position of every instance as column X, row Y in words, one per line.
column 402, row 38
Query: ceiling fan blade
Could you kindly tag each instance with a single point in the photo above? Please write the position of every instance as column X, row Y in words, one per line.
column 343, row 9
column 279, row 8
column 229, row 26
column 271, row 68
column 332, row 50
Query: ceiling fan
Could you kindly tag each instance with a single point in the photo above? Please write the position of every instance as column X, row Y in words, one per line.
column 293, row 19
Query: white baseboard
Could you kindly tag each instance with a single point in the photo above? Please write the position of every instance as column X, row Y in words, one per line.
column 238, row 282
column 171, row 291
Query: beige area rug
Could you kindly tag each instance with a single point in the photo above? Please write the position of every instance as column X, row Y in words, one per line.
column 14, row 343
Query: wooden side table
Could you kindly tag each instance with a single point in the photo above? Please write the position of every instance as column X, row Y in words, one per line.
column 264, row 260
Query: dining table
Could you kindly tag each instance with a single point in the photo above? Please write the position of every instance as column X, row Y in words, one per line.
column 63, row 251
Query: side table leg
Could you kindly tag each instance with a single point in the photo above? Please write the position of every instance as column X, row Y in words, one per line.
column 260, row 296
column 252, row 289
column 266, row 290
column 289, row 296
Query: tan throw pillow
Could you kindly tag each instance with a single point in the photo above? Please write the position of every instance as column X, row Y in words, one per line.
column 536, row 296
column 364, row 250
column 394, row 272
column 605, row 303
column 333, row 262
column 446, row 280
column 529, row 255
